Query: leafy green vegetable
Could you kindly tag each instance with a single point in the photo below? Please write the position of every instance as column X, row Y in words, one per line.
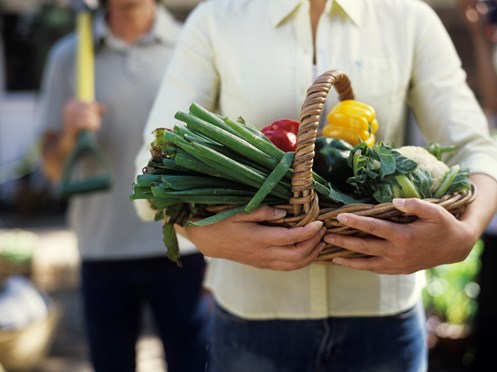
column 208, row 160
column 171, row 242
column 382, row 173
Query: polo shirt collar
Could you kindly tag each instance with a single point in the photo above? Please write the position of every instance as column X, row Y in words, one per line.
column 165, row 26
column 281, row 9
column 163, row 30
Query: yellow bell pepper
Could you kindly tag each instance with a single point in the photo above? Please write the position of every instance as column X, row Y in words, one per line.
column 352, row 121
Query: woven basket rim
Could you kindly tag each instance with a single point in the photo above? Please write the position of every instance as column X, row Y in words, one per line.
column 304, row 206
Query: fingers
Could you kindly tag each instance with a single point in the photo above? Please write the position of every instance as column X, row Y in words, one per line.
column 285, row 248
column 294, row 248
column 301, row 250
column 367, row 246
column 300, row 263
column 80, row 115
column 264, row 213
column 372, row 264
column 370, row 225
column 282, row 236
column 394, row 248
column 279, row 235
column 271, row 247
column 390, row 230
column 420, row 208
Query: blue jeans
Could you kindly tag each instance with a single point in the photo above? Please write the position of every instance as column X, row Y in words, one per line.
column 359, row 344
column 114, row 296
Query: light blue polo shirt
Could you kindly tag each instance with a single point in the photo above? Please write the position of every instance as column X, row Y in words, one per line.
column 127, row 78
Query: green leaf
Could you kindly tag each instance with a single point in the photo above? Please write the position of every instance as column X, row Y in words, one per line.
column 170, row 240
column 147, row 179
column 460, row 182
column 409, row 190
column 387, row 160
column 404, row 165
column 159, row 215
column 182, row 182
column 335, row 195
column 217, row 217
column 271, row 181
column 382, row 173
column 437, row 151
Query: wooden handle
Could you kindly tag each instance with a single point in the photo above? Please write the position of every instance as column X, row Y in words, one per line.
column 85, row 79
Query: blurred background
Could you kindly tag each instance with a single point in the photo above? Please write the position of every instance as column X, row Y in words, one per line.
column 36, row 245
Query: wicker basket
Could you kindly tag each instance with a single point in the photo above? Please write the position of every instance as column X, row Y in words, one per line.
column 22, row 349
column 305, row 207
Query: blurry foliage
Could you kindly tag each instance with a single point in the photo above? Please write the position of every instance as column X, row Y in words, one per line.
column 452, row 289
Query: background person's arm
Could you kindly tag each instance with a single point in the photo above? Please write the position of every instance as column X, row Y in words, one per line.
column 484, row 35
column 57, row 145
column 60, row 116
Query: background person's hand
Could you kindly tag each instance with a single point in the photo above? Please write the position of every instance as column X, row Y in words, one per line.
column 79, row 115
column 242, row 238
column 57, row 145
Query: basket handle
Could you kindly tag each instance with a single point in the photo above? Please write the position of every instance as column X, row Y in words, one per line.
column 305, row 200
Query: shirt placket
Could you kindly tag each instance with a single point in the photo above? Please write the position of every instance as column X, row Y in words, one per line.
column 131, row 61
column 323, row 51
column 303, row 53
column 318, row 302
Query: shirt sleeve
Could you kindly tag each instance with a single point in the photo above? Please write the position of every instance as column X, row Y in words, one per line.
column 55, row 89
column 191, row 77
column 444, row 106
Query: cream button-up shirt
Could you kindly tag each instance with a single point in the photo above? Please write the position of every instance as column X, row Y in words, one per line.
column 254, row 58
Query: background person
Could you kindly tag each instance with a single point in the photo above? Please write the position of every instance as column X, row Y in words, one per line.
column 124, row 266
column 481, row 18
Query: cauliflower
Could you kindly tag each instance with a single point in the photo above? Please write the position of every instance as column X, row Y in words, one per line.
column 437, row 169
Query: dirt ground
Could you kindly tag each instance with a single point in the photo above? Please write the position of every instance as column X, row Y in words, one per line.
column 56, row 272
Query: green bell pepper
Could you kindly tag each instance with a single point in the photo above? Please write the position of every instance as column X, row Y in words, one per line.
column 330, row 161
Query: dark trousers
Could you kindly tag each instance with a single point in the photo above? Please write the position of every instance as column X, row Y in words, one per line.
column 114, row 294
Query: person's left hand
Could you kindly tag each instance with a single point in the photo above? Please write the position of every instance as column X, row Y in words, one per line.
column 436, row 237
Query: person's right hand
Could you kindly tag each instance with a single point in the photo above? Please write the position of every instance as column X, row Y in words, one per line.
column 79, row 115
column 242, row 238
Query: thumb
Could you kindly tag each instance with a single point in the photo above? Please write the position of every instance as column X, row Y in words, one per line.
column 264, row 213
column 418, row 207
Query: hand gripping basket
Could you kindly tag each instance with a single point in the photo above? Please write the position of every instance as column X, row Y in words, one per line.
column 305, row 207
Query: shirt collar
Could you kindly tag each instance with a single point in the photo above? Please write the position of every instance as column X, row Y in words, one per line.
column 164, row 29
column 351, row 8
column 281, row 9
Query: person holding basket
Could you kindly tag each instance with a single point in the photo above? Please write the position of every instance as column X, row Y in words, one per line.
column 275, row 308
